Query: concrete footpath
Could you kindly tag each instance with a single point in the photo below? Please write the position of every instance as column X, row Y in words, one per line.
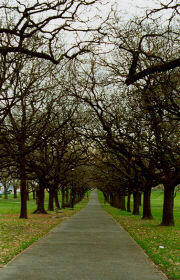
column 87, row 246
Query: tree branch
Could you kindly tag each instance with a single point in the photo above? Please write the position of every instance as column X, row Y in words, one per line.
column 153, row 69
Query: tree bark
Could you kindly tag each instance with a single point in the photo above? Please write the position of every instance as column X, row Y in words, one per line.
column 147, row 204
column 168, row 217
column 129, row 202
column 136, row 203
column 40, row 200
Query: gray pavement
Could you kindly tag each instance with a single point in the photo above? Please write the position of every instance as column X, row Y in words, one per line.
column 87, row 246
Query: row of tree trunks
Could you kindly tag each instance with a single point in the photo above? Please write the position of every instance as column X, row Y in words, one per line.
column 53, row 196
column 119, row 202
column 116, row 200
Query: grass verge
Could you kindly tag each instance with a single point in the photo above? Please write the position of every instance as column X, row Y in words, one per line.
column 160, row 243
column 17, row 234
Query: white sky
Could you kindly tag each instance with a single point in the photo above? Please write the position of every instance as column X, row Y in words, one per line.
column 130, row 8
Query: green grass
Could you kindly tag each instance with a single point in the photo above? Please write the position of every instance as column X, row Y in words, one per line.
column 17, row 234
column 12, row 206
column 149, row 235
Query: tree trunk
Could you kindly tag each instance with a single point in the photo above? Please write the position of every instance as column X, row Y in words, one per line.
column 105, row 197
column 5, row 192
column 116, row 201
column 140, row 195
column 27, row 195
column 147, row 203
column 40, row 200
column 168, row 218
column 67, row 196
column 15, row 192
column 63, row 197
column 129, row 202
column 136, row 203
column 23, row 213
column 51, row 200
column 72, row 198
column 56, row 200
column 112, row 199
column 34, row 195
column 123, row 204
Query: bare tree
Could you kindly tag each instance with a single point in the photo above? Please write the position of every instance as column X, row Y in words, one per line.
column 45, row 24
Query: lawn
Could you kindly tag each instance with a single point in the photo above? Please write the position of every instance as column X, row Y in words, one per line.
column 17, row 234
column 159, row 242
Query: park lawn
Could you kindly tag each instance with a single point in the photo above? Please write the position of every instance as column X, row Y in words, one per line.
column 150, row 236
column 17, row 234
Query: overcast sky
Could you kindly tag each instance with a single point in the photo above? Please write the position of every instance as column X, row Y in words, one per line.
column 130, row 8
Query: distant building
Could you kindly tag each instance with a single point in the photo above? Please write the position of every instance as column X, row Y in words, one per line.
column 10, row 189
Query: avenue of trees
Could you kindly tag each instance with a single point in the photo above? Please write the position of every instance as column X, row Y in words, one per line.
column 102, row 111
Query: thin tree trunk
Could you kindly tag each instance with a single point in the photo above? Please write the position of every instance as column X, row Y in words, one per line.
column 147, row 203
column 105, row 197
column 140, row 196
column 63, row 196
column 56, row 199
column 34, row 195
column 23, row 213
column 168, row 217
column 129, row 202
column 72, row 198
column 136, row 203
column 27, row 195
column 67, row 196
column 123, row 204
column 37, row 197
column 112, row 199
column 51, row 200
column 15, row 192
